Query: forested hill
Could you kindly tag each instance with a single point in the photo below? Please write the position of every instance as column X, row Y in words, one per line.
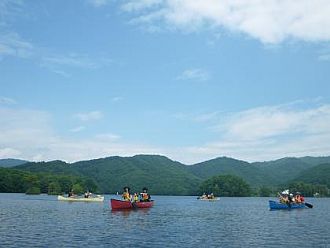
column 319, row 174
column 10, row 162
column 223, row 165
column 160, row 174
column 165, row 176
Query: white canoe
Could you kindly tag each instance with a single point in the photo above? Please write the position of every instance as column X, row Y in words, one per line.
column 206, row 199
column 81, row 199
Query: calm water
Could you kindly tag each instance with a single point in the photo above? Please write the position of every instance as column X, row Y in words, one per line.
column 42, row 221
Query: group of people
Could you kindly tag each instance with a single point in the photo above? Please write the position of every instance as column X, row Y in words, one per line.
column 288, row 198
column 87, row 194
column 207, row 196
column 143, row 197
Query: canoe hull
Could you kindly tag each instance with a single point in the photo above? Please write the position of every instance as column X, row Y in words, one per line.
column 273, row 205
column 127, row 205
column 214, row 199
column 81, row 199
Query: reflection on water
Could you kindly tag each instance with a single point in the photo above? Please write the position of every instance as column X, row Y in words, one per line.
column 42, row 221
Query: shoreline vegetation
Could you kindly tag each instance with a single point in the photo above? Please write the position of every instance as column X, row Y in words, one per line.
column 222, row 176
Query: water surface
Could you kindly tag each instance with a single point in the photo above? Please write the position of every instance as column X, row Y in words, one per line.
column 42, row 221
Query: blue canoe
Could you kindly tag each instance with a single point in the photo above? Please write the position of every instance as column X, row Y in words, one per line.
column 277, row 205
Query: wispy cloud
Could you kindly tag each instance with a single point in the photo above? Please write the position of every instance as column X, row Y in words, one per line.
column 117, row 99
column 60, row 64
column 98, row 3
column 270, row 21
column 89, row 116
column 268, row 132
column 74, row 60
column 7, row 100
column 196, row 74
column 11, row 44
column 29, row 134
column 140, row 5
column 77, row 129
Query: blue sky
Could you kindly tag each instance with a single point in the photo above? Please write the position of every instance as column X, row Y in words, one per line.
column 191, row 80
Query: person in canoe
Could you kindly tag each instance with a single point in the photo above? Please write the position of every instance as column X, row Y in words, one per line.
column 126, row 195
column 71, row 193
column 135, row 197
column 299, row 198
column 87, row 194
column 145, row 197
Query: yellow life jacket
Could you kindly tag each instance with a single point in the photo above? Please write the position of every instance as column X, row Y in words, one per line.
column 126, row 196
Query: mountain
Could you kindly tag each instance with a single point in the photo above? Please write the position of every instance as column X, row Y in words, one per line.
column 165, row 176
column 319, row 174
column 282, row 170
column 160, row 174
column 224, row 165
column 316, row 160
column 10, row 162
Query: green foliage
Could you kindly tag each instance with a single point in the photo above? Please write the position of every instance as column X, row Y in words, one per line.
column 229, row 166
column 54, row 188
column 226, row 185
column 16, row 181
column 164, row 176
column 265, row 191
column 319, row 174
column 77, row 189
column 309, row 189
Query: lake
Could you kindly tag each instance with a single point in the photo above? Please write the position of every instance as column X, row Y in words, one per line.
column 42, row 221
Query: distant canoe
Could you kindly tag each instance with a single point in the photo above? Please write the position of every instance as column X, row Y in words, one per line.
column 122, row 205
column 207, row 199
column 273, row 205
column 81, row 199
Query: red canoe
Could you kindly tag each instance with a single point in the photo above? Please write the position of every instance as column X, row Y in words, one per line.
column 118, row 204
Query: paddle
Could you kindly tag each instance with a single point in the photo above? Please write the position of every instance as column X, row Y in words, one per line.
column 134, row 205
column 308, row 205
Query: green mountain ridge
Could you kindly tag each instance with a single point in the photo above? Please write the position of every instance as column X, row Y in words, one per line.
column 165, row 176
column 11, row 162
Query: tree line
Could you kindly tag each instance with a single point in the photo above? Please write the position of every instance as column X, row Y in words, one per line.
column 231, row 185
column 16, row 181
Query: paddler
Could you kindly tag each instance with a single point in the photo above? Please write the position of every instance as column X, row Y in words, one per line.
column 126, row 195
column 144, row 195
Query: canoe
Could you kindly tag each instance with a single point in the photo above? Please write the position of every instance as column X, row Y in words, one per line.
column 81, row 199
column 278, row 205
column 122, row 205
column 205, row 199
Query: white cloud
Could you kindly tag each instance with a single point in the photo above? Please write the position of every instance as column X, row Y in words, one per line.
column 30, row 135
column 98, row 3
column 74, row 60
column 268, row 132
column 271, row 21
column 117, row 99
column 7, row 100
column 11, row 44
column 8, row 152
column 263, row 133
column 89, row 116
column 196, row 74
column 140, row 5
column 77, row 129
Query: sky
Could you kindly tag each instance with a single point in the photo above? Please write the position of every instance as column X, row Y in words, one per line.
column 191, row 80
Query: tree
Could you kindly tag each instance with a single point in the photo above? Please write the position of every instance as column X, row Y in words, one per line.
column 226, row 185
column 54, row 188
column 77, row 188
column 264, row 191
